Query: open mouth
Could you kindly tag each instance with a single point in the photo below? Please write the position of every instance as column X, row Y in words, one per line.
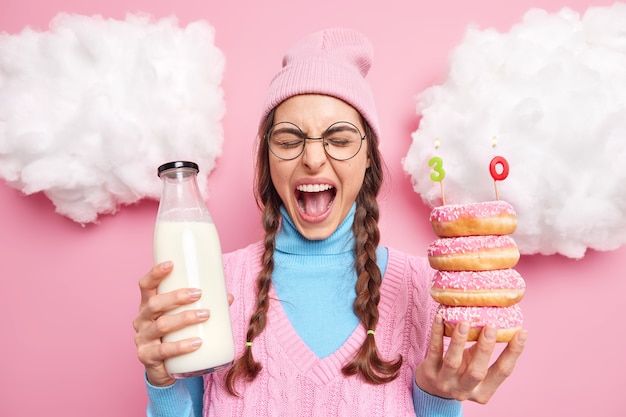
column 315, row 200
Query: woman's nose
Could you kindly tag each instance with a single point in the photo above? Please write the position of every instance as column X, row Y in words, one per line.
column 314, row 154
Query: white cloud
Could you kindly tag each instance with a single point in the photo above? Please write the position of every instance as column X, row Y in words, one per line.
column 553, row 92
column 91, row 107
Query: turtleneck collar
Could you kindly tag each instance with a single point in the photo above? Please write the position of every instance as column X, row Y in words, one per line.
column 290, row 241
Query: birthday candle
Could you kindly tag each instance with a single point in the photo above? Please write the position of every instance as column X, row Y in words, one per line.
column 438, row 174
column 498, row 162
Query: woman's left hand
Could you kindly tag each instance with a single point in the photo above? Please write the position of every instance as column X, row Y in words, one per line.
column 464, row 373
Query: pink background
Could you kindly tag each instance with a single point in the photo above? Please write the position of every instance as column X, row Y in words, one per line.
column 68, row 293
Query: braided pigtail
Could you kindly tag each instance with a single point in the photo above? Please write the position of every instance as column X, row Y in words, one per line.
column 246, row 367
column 367, row 361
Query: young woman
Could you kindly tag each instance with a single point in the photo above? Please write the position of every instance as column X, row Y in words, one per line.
column 326, row 321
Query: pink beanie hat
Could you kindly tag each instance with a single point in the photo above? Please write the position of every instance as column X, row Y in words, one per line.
column 332, row 62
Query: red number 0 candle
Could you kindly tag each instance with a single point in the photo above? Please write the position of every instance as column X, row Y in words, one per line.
column 498, row 176
column 493, row 168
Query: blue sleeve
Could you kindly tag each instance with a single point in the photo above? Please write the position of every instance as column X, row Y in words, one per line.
column 181, row 399
column 427, row 405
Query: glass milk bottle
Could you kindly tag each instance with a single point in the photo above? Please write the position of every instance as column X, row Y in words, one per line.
column 185, row 234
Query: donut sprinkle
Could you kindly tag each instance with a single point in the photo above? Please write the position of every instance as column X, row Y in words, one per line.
column 478, row 280
column 454, row 245
column 500, row 317
column 452, row 212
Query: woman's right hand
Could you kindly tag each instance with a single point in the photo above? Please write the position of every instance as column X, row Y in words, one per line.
column 152, row 323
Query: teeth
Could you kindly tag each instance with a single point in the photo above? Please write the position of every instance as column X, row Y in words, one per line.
column 314, row 188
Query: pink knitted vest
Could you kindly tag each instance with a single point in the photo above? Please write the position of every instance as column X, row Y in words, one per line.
column 294, row 382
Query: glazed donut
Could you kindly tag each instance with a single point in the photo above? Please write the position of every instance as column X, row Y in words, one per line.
column 473, row 253
column 507, row 320
column 486, row 218
column 500, row 287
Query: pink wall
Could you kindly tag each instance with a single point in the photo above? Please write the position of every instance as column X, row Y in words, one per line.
column 68, row 293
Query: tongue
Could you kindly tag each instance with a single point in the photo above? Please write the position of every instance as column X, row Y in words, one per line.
column 316, row 204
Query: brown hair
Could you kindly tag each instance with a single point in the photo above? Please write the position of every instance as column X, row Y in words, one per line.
column 367, row 361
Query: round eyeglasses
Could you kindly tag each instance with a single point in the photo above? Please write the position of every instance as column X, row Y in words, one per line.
column 341, row 141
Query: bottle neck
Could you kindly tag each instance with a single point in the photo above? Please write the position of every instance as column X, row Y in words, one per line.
column 181, row 199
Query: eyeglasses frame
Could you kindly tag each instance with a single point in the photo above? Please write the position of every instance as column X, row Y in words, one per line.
column 305, row 138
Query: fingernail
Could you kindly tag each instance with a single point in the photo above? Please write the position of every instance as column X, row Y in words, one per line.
column 195, row 293
column 490, row 333
column 202, row 314
column 464, row 328
column 195, row 342
column 438, row 319
column 165, row 265
column 522, row 336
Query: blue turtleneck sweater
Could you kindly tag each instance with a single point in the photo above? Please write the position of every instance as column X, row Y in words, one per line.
column 315, row 282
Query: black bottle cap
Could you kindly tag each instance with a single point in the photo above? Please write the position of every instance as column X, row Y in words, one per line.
column 177, row 164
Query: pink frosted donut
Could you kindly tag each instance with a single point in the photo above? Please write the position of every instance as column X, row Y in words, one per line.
column 507, row 320
column 486, row 218
column 473, row 253
column 500, row 287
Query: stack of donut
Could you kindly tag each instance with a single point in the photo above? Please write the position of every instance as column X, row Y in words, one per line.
column 474, row 257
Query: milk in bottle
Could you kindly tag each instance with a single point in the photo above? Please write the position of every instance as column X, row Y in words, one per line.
column 185, row 234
